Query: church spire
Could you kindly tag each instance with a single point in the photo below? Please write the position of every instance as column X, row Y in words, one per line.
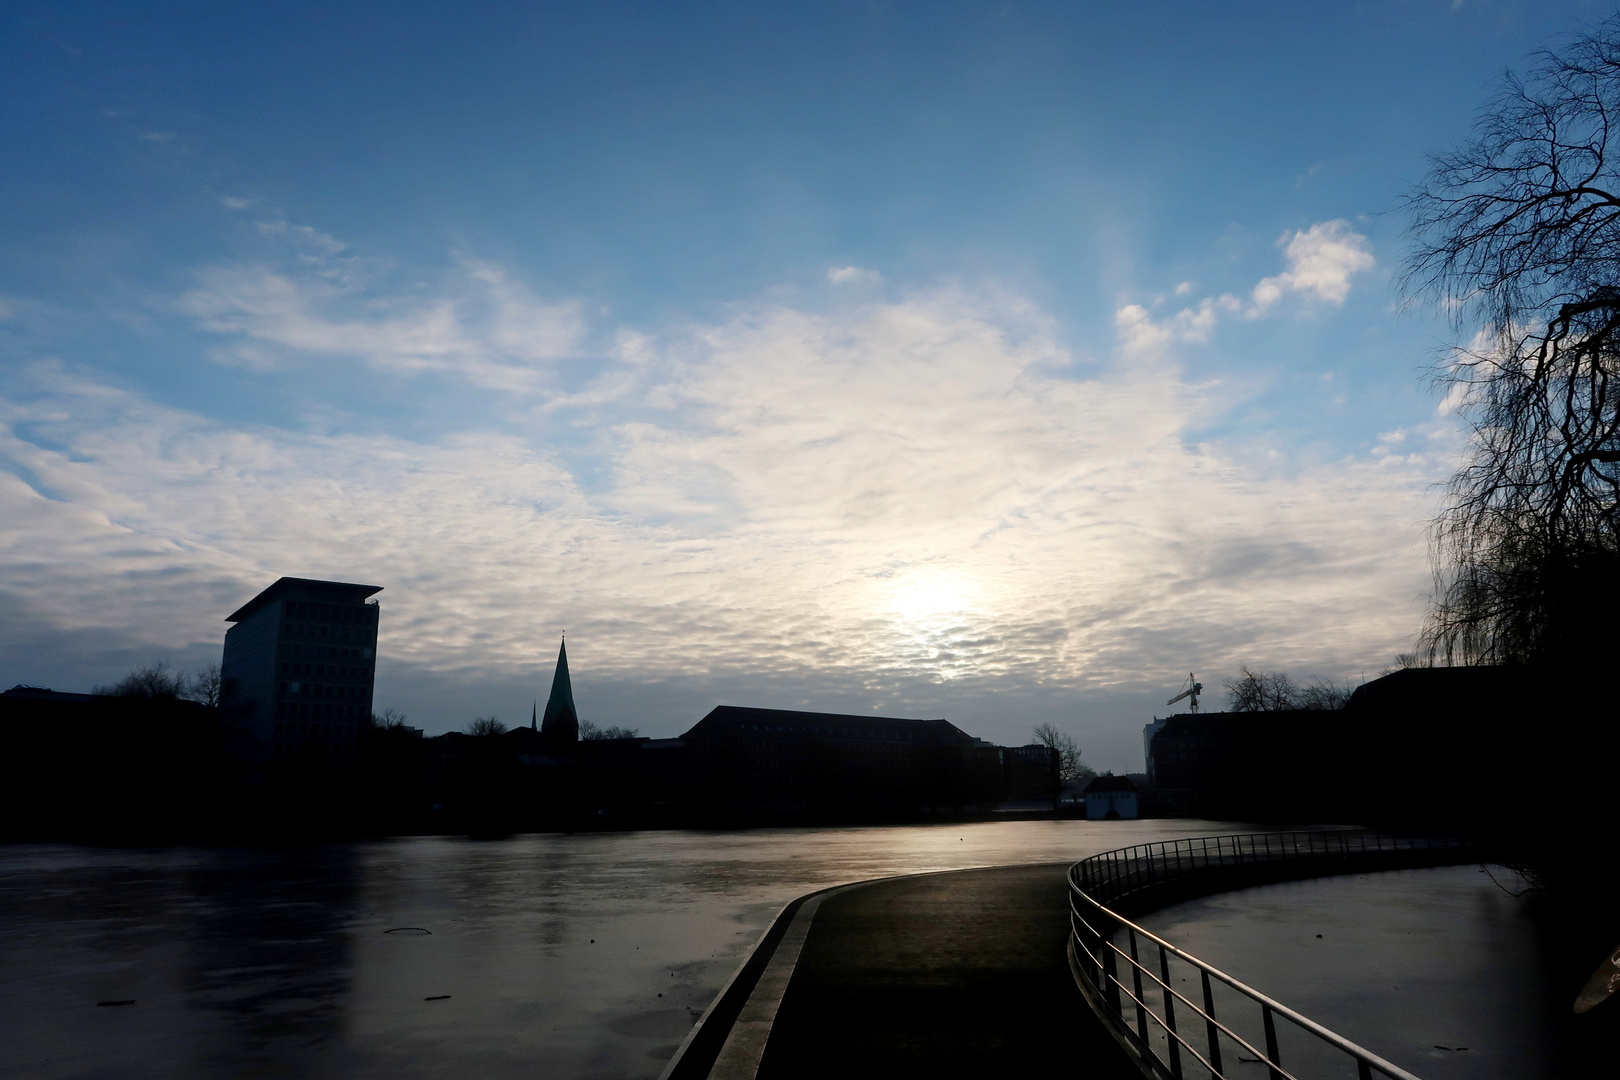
column 561, row 722
column 534, row 712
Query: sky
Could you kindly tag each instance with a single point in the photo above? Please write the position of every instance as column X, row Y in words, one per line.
column 1000, row 362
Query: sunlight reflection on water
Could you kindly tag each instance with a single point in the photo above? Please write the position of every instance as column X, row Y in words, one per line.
column 576, row 955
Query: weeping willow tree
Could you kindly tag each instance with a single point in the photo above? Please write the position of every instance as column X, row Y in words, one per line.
column 1517, row 236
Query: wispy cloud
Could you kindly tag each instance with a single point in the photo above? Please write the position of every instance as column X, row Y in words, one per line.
column 853, row 275
column 482, row 327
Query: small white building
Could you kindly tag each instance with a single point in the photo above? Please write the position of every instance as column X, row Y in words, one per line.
column 1111, row 798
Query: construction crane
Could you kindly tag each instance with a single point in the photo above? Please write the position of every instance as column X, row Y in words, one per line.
column 1190, row 689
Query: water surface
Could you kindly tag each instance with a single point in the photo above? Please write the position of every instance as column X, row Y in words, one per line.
column 564, row 956
column 1442, row 971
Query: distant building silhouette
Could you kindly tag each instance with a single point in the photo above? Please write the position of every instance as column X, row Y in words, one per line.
column 561, row 721
column 92, row 766
column 1111, row 798
column 1418, row 747
column 777, row 761
column 1029, row 772
column 1148, row 731
column 24, row 692
column 299, row 667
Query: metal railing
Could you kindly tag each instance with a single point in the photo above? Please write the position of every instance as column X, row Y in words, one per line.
column 1134, row 986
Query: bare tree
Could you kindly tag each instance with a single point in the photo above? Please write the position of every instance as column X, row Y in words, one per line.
column 485, row 725
column 1260, row 691
column 204, row 685
column 588, row 731
column 148, row 681
column 1518, row 237
column 1069, row 765
column 1323, row 694
column 387, row 720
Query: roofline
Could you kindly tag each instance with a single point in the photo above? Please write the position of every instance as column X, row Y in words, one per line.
column 283, row 584
column 830, row 716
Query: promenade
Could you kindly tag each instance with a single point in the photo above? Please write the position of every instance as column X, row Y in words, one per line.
column 941, row 975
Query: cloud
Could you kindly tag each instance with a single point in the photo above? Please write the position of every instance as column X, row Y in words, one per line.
column 486, row 329
column 853, row 275
column 1321, row 262
column 1141, row 336
column 916, row 506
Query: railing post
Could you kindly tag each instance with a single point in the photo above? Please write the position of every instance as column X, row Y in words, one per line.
column 1111, row 966
column 1213, row 1032
column 1169, row 1014
column 1136, row 983
column 1273, row 1055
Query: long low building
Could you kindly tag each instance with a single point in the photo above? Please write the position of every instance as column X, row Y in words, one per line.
column 779, row 761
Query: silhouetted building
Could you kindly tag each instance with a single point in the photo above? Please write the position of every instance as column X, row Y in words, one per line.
column 1188, row 752
column 1111, row 798
column 561, row 722
column 1148, row 731
column 299, row 667
column 24, row 692
column 80, row 766
column 779, row 762
column 1030, row 772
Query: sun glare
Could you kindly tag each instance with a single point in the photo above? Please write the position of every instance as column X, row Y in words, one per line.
column 931, row 596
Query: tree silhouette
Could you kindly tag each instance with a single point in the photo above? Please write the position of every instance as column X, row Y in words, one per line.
column 204, row 685
column 1518, row 238
column 1260, row 691
column 148, row 681
column 589, row 732
column 485, row 725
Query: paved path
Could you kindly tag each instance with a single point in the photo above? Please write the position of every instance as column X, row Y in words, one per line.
column 945, row 975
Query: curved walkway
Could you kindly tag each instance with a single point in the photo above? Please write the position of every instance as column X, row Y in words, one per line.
column 961, row 974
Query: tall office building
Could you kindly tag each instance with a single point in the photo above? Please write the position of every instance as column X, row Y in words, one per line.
column 299, row 667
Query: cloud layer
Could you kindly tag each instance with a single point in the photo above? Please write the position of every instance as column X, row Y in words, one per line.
column 924, row 504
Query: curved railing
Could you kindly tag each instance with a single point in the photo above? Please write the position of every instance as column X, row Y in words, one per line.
column 1133, row 986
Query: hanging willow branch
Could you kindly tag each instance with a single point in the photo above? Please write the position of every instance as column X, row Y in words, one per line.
column 1518, row 236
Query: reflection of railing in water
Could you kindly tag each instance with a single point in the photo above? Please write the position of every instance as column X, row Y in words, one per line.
column 1160, row 1024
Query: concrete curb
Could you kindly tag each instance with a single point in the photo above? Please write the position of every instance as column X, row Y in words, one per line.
column 729, row 1039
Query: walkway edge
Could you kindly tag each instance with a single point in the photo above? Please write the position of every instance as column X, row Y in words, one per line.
column 690, row 1061
column 744, row 1047
column 712, row 1039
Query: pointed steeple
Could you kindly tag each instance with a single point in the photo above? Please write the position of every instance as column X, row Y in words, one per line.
column 534, row 712
column 561, row 722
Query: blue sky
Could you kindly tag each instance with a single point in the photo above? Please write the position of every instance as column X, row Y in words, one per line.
column 996, row 361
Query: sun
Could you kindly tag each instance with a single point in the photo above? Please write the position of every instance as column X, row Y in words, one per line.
column 929, row 596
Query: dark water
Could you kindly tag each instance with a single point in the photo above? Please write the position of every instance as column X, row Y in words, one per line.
column 1444, row 971
column 563, row 956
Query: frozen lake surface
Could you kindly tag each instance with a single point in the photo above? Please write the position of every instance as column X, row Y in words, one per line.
column 1441, row 971
column 586, row 955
